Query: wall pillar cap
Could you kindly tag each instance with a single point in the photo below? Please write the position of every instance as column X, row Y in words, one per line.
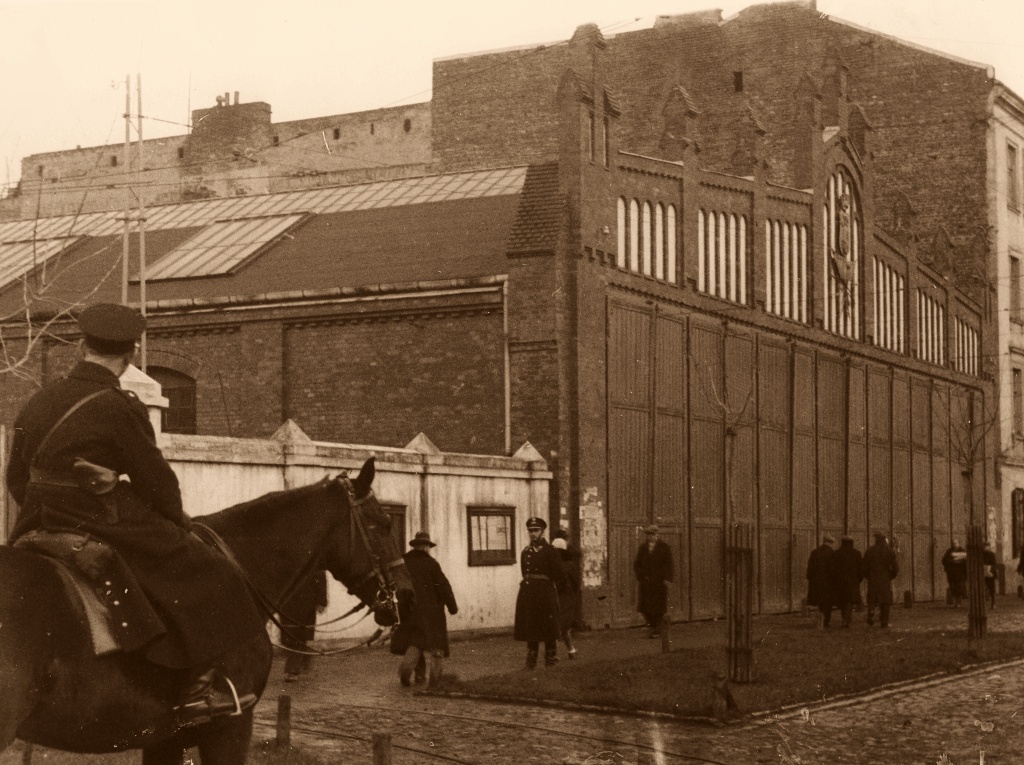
column 528, row 453
column 423, row 445
column 149, row 392
column 291, row 433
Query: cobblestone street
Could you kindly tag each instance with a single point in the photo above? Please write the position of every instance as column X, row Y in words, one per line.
column 346, row 699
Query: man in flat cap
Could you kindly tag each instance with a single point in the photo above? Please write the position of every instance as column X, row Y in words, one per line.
column 654, row 571
column 537, row 602
column 880, row 568
column 820, row 590
column 72, row 441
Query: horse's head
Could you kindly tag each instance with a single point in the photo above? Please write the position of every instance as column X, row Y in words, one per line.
column 363, row 555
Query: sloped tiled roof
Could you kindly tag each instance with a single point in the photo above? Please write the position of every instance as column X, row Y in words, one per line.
column 539, row 218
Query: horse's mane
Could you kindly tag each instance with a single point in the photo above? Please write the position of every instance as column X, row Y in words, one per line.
column 269, row 505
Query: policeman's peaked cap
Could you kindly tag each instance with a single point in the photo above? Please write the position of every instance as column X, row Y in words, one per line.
column 111, row 328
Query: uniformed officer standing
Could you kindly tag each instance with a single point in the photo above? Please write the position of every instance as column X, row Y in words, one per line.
column 537, row 603
column 202, row 606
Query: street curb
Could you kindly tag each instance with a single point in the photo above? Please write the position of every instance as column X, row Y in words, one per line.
column 790, row 711
column 752, row 719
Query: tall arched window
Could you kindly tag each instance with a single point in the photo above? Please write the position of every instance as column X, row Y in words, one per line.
column 843, row 226
column 180, row 391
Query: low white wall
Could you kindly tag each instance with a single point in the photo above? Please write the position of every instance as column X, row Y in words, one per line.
column 435, row 489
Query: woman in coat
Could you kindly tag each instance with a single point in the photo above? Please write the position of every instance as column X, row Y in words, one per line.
column 569, row 599
column 427, row 626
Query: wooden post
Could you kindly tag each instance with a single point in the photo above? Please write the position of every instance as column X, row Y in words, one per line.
column 739, row 591
column 284, row 721
column 26, row 754
column 666, row 639
column 382, row 749
column 976, row 619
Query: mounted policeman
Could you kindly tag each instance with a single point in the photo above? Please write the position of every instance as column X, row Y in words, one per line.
column 86, row 472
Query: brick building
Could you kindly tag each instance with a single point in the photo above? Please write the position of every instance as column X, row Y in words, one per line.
column 695, row 277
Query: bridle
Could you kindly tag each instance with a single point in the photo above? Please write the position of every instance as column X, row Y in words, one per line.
column 385, row 597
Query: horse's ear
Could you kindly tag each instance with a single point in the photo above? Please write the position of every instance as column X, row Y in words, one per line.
column 364, row 480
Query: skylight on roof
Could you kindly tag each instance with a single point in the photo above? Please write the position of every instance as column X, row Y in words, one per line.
column 221, row 248
column 18, row 258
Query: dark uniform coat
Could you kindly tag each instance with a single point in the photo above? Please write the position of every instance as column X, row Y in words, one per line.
column 428, row 627
column 880, row 568
column 537, row 603
column 847, row 573
column 203, row 604
column 820, row 586
column 653, row 568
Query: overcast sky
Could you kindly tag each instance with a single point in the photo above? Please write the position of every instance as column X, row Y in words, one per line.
column 63, row 64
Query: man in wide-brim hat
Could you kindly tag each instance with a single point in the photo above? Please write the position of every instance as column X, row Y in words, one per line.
column 426, row 627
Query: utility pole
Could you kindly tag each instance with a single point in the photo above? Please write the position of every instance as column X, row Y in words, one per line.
column 127, row 191
column 142, row 218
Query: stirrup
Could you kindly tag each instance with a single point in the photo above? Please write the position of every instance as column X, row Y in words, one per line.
column 203, row 710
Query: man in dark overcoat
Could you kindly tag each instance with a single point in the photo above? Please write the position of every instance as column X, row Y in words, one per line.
column 298, row 620
column 537, row 602
column 428, row 627
column 71, row 442
column 820, row 589
column 954, row 563
column 847, row 573
column 654, row 571
column 880, row 568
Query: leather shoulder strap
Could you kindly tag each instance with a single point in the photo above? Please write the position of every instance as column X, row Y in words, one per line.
column 78, row 405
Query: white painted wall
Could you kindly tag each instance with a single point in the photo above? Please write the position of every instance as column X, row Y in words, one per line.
column 434, row 487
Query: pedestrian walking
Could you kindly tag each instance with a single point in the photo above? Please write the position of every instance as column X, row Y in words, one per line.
column 654, row 571
column 988, row 563
column 426, row 625
column 1020, row 574
column 569, row 599
column 298, row 624
column 880, row 568
column 847, row 573
column 537, row 603
column 954, row 563
column 820, row 584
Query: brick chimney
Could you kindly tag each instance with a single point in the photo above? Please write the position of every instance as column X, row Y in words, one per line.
column 227, row 130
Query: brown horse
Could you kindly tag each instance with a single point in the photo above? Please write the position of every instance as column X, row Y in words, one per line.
column 57, row 693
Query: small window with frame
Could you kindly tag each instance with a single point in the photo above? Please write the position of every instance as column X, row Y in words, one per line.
column 397, row 515
column 492, row 536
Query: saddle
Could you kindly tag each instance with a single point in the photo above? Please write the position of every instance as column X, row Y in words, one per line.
column 118, row 614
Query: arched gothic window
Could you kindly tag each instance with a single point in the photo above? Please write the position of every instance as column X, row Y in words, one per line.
column 843, row 226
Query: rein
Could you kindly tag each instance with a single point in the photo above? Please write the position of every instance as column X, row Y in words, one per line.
column 385, row 590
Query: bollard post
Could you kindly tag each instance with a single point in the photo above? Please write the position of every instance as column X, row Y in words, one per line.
column 26, row 755
column 382, row 749
column 284, row 721
column 908, row 599
column 666, row 639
